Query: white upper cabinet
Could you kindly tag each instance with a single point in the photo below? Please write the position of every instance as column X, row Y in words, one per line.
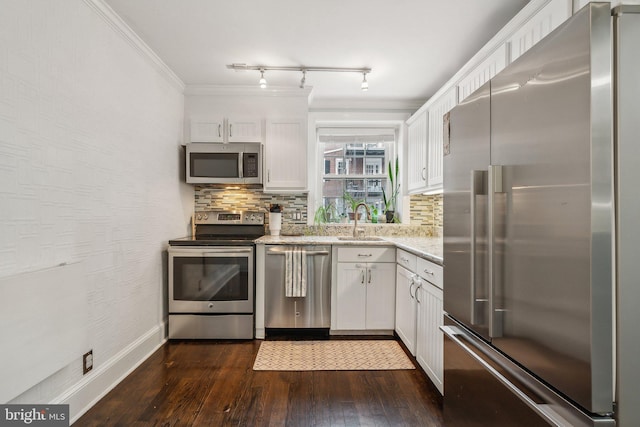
column 417, row 152
column 425, row 136
column 542, row 23
column 207, row 130
column 220, row 129
column 484, row 72
column 285, row 162
column 437, row 110
column 244, row 130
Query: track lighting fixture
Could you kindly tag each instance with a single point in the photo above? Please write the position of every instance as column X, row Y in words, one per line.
column 262, row 68
column 263, row 81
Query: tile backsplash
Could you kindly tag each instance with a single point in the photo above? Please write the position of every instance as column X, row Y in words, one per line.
column 426, row 211
column 294, row 205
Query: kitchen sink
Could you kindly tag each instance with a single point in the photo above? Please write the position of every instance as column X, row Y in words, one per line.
column 360, row 239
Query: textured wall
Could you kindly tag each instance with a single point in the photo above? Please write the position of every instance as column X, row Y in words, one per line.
column 89, row 145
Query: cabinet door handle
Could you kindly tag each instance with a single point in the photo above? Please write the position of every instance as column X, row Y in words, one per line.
column 219, row 131
column 418, row 287
column 411, row 287
column 423, row 173
column 230, row 130
column 369, row 281
column 362, row 277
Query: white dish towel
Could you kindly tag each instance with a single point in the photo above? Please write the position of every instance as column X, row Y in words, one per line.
column 295, row 272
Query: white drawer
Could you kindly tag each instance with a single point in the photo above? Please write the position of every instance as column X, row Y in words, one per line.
column 366, row 254
column 430, row 271
column 406, row 259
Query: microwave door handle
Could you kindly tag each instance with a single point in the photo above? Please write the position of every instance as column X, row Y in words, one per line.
column 240, row 165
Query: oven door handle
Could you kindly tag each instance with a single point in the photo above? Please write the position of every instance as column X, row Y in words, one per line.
column 226, row 251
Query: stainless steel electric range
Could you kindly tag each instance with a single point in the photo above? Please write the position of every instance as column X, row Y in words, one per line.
column 212, row 276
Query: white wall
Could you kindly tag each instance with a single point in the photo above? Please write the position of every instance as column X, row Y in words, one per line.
column 90, row 134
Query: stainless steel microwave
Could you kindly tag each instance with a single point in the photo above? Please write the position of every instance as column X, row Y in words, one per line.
column 209, row 163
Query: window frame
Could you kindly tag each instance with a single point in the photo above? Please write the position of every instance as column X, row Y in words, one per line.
column 391, row 148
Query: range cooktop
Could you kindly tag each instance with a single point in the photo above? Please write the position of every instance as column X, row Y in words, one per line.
column 224, row 228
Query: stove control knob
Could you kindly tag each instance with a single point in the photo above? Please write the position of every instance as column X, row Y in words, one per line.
column 210, row 305
column 206, row 216
column 199, row 216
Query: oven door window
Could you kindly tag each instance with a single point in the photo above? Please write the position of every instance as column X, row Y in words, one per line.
column 211, row 278
column 214, row 165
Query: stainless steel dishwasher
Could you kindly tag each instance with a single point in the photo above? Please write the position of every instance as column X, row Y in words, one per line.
column 312, row 311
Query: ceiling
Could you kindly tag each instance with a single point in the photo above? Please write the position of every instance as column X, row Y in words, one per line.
column 412, row 46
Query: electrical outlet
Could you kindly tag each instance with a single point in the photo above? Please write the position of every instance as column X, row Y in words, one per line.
column 87, row 362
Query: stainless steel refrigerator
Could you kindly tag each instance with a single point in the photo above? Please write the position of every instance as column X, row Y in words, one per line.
column 528, row 237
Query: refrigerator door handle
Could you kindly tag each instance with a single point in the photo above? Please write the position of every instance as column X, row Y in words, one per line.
column 542, row 409
column 495, row 186
column 477, row 188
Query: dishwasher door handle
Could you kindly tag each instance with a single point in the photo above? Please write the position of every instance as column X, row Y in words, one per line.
column 309, row 253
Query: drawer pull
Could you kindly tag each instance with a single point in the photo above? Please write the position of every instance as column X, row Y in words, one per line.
column 365, row 255
column 431, row 273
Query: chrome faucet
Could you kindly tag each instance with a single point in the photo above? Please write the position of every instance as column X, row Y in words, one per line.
column 355, row 217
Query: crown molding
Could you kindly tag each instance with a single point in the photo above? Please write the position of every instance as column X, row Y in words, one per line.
column 237, row 90
column 369, row 104
column 119, row 26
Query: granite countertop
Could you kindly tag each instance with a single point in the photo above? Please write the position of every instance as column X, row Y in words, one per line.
column 426, row 247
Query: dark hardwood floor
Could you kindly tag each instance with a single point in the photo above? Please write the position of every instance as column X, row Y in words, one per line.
column 211, row 383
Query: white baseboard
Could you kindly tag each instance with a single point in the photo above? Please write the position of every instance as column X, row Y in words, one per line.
column 88, row 391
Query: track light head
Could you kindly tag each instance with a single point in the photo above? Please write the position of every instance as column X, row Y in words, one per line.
column 263, row 81
column 365, row 84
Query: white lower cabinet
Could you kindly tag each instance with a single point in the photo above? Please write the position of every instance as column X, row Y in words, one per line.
column 429, row 344
column 406, row 309
column 419, row 312
column 365, row 296
column 365, row 291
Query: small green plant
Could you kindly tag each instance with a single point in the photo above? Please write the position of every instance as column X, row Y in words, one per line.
column 351, row 201
column 391, row 202
column 326, row 213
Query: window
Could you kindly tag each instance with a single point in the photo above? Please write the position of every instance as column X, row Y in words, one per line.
column 355, row 166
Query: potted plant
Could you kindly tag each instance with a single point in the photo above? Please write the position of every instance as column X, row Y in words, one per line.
column 390, row 203
column 352, row 202
column 326, row 213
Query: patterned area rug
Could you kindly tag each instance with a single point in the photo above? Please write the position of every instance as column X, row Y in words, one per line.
column 335, row 355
